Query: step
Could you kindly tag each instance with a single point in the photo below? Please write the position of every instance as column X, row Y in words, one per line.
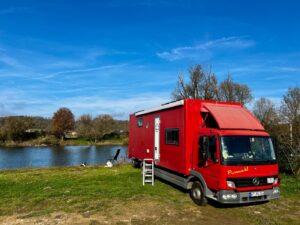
column 148, row 171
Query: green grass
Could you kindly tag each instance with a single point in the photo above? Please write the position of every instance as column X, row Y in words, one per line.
column 290, row 186
column 70, row 189
column 114, row 191
column 82, row 141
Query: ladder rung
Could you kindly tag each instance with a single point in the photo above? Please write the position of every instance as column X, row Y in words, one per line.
column 148, row 171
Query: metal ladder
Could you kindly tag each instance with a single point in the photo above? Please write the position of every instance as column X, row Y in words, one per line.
column 148, row 171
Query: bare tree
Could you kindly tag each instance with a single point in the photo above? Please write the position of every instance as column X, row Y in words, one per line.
column 14, row 127
column 265, row 110
column 291, row 104
column 210, row 86
column 290, row 112
column 230, row 91
column 62, row 121
column 201, row 85
column 103, row 124
column 85, row 127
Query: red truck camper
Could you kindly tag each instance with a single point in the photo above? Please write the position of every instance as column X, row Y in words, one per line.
column 216, row 150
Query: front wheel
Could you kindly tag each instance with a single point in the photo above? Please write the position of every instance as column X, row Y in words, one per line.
column 197, row 194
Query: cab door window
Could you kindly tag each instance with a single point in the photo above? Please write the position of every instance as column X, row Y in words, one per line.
column 207, row 148
column 212, row 148
column 202, row 148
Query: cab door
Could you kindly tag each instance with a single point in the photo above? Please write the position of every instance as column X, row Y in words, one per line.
column 208, row 162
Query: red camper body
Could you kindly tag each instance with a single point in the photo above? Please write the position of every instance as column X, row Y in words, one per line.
column 217, row 150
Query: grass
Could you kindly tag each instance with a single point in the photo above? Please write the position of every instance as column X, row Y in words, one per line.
column 44, row 189
column 82, row 141
column 290, row 186
column 117, row 192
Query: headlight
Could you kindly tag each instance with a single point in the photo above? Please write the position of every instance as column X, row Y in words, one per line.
column 231, row 184
column 276, row 181
column 234, row 196
column 270, row 180
column 229, row 196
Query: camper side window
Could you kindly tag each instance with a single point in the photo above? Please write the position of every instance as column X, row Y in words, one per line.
column 140, row 122
column 172, row 136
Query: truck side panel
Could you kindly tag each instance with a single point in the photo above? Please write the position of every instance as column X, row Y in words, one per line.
column 141, row 139
column 172, row 156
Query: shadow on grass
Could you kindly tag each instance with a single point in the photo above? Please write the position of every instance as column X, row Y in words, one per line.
column 225, row 206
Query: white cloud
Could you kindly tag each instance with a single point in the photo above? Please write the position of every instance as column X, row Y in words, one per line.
column 205, row 50
column 19, row 102
column 120, row 107
column 8, row 60
column 83, row 70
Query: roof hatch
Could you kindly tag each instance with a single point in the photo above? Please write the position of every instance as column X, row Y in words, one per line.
column 232, row 117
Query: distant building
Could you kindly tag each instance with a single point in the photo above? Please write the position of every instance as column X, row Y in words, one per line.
column 71, row 134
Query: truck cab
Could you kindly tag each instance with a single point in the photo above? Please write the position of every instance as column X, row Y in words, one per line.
column 237, row 166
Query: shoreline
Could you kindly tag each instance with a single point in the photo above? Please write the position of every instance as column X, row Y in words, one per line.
column 65, row 167
column 24, row 144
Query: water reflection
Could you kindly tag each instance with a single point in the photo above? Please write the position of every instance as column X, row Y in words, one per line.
column 36, row 157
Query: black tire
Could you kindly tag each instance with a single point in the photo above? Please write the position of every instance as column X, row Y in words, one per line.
column 197, row 194
column 136, row 163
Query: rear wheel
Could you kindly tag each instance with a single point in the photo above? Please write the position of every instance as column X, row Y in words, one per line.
column 197, row 193
column 136, row 163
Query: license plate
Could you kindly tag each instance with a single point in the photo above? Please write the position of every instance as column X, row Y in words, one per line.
column 256, row 193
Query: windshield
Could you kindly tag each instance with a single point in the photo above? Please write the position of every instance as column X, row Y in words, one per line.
column 244, row 150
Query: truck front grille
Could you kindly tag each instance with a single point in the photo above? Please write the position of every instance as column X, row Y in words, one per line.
column 250, row 181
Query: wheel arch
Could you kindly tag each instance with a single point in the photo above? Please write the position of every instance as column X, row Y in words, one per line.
column 196, row 176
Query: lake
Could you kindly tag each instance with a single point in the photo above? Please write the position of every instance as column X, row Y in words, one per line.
column 41, row 157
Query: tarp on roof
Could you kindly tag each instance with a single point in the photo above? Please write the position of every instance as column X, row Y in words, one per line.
column 233, row 117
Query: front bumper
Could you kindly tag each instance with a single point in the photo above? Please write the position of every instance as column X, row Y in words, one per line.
column 247, row 196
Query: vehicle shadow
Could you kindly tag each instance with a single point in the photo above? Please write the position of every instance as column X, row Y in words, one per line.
column 225, row 206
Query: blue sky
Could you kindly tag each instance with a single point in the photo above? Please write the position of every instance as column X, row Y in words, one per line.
column 118, row 57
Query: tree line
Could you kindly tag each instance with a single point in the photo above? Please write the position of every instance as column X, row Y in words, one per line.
column 60, row 126
column 281, row 121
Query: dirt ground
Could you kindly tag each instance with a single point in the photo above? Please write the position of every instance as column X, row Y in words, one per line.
column 136, row 213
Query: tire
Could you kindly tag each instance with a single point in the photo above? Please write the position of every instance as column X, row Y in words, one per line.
column 136, row 163
column 197, row 194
